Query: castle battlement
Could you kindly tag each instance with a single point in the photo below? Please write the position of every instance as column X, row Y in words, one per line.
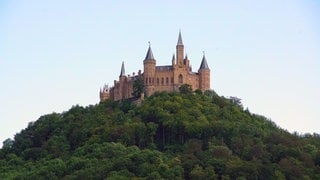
column 159, row 78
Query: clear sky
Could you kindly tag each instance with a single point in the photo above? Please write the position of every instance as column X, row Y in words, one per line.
column 55, row 54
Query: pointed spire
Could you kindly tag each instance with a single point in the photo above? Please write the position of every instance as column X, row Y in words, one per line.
column 204, row 64
column 173, row 60
column 149, row 53
column 123, row 72
column 173, row 57
column 186, row 57
column 180, row 39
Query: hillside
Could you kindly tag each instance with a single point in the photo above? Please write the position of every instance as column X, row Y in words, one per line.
column 169, row 136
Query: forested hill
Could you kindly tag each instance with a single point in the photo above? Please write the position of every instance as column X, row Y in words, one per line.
column 169, row 136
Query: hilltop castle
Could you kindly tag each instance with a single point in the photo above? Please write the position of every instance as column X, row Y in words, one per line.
column 160, row 78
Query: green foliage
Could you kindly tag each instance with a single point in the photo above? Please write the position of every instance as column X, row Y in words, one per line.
column 182, row 135
column 185, row 89
column 138, row 87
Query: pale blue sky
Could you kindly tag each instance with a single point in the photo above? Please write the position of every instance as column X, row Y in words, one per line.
column 55, row 54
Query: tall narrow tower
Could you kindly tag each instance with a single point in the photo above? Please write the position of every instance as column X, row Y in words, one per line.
column 149, row 65
column 179, row 50
column 204, row 75
column 122, row 84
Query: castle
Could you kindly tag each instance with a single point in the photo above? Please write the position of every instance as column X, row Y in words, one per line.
column 160, row 78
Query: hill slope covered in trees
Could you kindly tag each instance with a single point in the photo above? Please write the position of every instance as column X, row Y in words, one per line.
column 169, row 136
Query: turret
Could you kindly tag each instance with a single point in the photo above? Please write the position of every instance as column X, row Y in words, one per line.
column 186, row 62
column 104, row 93
column 204, row 74
column 173, row 60
column 149, row 65
column 121, row 84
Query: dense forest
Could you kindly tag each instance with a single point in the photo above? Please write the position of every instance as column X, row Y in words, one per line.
column 186, row 135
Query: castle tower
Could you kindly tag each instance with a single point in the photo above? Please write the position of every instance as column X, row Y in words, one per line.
column 179, row 50
column 122, row 79
column 149, row 65
column 123, row 71
column 204, row 75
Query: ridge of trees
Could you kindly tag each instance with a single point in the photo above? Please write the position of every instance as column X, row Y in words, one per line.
column 186, row 135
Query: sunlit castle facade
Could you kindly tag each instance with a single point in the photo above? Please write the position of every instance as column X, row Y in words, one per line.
column 160, row 78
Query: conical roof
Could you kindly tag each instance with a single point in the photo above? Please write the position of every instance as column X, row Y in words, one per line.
column 180, row 39
column 149, row 54
column 123, row 71
column 204, row 64
column 173, row 57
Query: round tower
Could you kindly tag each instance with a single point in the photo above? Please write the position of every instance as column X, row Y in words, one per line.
column 149, row 66
column 204, row 75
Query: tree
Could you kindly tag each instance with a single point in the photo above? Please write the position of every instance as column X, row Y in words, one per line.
column 185, row 89
column 197, row 173
column 236, row 100
column 169, row 136
column 198, row 91
column 7, row 145
column 138, row 87
column 57, row 146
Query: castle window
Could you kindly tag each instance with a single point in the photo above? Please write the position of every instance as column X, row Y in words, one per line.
column 180, row 79
column 146, row 80
column 162, row 81
column 157, row 81
column 167, row 81
column 149, row 80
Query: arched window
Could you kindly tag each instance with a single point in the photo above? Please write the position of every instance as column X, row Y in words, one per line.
column 157, row 81
column 167, row 81
column 180, row 79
